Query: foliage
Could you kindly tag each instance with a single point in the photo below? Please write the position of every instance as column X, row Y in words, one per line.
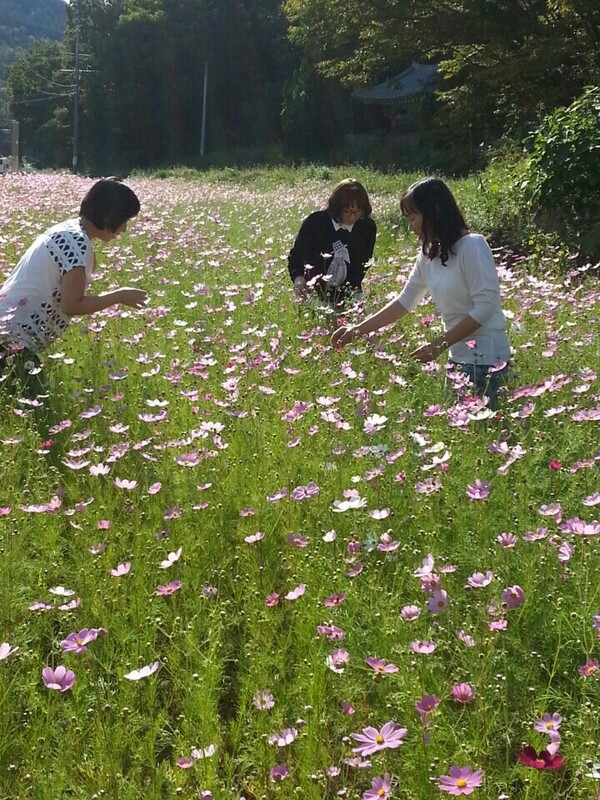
column 204, row 442
column 23, row 22
column 41, row 90
column 503, row 63
column 563, row 179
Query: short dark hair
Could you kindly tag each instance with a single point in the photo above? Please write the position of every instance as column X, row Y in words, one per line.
column 443, row 221
column 109, row 204
column 347, row 193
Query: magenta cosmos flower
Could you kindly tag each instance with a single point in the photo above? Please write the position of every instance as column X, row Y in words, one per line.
column 60, row 679
column 478, row 490
column 513, row 596
column 78, row 642
column 543, row 760
column 380, row 665
column 168, row 588
column 463, row 693
column 371, row 740
column 548, row 723
column 381, row 788
column 461, row 780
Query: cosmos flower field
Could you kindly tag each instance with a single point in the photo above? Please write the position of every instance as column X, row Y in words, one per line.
column 237, row 563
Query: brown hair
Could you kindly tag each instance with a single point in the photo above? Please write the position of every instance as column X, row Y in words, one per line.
column 347, row 193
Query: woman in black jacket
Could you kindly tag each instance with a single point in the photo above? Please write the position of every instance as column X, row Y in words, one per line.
column 334, row 246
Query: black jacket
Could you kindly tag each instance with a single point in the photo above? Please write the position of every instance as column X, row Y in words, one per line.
column 314, row 246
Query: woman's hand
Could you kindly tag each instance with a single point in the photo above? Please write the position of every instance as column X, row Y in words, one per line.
column 427, row 352
column 136, row 298
column 343, row 335
column 300, row 287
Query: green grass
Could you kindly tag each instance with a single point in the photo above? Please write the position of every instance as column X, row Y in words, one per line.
column 200, row 394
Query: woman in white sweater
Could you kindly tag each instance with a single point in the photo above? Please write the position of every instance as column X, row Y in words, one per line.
column 457, row 269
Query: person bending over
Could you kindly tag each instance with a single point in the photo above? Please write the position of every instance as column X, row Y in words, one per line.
column 457, row 269
column 49, row 284
column 333, row 248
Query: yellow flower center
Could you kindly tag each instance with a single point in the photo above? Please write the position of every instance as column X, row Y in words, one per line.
column 381, row 793
column 461, row 783
column 380, row 739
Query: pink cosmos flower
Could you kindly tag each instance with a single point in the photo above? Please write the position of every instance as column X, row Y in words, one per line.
column 334, row 600
column 479, row 579
column 78, row 642
column 507, row 540
column 6, row 650
column 478, row 490
column 297, row 540
column 380, row 666
column 579, row 527
column 121, row 569
column 465, row 638
column 426, row 705
column 272, row 599
column 513, row 596
column 294, row 594
column 143, row 672
column 565, row 552
column 372, row 741
column 437, row 602
column 283, row 739
column 254, row 537
column 589, row 668
column 548, row 723
column 60, row 679
column 410, row 613
column 381, row 788
column 387, row 544
column 279, row 772
column 263, row 701
column 461, row 780
column 122, row 483
column 332, row 632
column 337, row 660
column 462, row 693
column 168, row 588
column 424, row 648
column 305, row 492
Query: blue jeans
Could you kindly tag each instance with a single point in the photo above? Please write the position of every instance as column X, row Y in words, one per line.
column 484, row 382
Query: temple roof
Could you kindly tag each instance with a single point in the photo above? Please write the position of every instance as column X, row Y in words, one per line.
column 416, row 80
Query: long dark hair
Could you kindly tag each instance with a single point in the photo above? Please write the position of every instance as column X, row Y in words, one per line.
column 109, row 203
column 443, row 221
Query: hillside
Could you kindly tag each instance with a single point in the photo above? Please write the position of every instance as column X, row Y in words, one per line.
column 23, row 21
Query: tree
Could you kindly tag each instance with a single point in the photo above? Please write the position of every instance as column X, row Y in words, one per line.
column 503, row 63
column 40, row 93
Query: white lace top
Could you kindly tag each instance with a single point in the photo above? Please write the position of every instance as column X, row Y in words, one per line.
column 30, row 311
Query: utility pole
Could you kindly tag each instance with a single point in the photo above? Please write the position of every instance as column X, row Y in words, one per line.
column 203, row 133
column 14, row 126
column 76, row 101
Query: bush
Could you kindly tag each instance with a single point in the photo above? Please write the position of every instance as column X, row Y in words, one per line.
column 562, row 180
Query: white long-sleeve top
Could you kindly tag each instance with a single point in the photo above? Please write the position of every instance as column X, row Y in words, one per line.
column 467, row 284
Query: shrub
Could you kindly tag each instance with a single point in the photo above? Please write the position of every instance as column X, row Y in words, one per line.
column 562, row 180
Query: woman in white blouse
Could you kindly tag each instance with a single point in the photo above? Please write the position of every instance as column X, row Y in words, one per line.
column 457, row 269
column 49, row 284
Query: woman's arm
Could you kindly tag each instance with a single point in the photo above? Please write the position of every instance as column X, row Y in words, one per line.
column 74, row 301
column 387, row 315
column 462, row 330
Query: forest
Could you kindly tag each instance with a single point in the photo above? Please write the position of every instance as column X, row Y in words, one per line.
column 216, row 82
